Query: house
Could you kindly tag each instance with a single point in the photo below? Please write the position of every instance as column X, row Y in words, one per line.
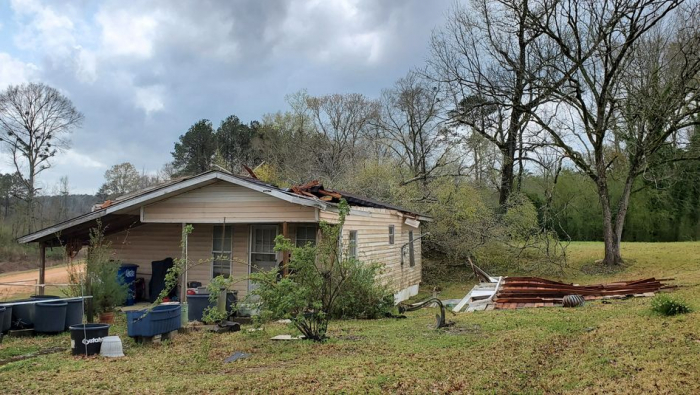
column 236, row 220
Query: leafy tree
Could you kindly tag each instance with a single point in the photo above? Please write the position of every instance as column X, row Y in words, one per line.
column 119, row 180
column 195, row 151
column 235, row 143
column 35, row 120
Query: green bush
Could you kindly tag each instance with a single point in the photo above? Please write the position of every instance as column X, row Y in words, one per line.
column 323, row 283
column 361, row 295
column 101, row 278
column 667, row 305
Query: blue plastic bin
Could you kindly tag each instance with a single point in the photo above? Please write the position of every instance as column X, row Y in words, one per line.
column 161, row 319
column 127, row 274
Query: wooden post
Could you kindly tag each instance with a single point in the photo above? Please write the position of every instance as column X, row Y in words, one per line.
column 42, row 267
column 285, row 254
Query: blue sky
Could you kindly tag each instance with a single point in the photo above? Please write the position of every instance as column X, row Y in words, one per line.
column 142, row 72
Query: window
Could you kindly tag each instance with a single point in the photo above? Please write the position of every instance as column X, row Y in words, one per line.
column 221, row 251
column 352, row 244
column 411, row 254
column 306, row 234
column 262, row 248
column 391, row 234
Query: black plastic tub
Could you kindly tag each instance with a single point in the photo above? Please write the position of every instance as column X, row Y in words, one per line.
column 23, row 314
column 3, row 312
column 7, row 319
column 50, row 316
column 86, row 339
column 161, row 319
column 74, row 313
column 196, row 305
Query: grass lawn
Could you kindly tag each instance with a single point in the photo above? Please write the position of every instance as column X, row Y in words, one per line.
column 600, row 348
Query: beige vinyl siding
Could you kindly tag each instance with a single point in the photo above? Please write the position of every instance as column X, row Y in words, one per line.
column 373, row 243
column 144, row 244
column 221, row 200
column 199, row 249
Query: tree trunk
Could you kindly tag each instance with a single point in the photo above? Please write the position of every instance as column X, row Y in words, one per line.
column 612, row 242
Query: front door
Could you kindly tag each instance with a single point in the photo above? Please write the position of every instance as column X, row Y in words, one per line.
column 262, row 249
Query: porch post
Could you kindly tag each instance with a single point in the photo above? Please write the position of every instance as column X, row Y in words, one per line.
column 285, row 254
column 42, row 267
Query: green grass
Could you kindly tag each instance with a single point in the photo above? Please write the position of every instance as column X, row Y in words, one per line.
column 620, row 347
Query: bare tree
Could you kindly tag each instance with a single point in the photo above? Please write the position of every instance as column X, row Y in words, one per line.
column 35, row 120
column 410, row 123
column 490, row 57
column 343, row 121
column 638, row 89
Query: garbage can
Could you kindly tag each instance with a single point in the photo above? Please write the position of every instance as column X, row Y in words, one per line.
column 87, row 338
column 196, row 305
column 50, row 316
column 3, row 312
column 127, row 274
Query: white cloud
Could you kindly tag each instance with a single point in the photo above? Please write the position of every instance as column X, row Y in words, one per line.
column 74, row 159
column 150, row 98
column 46, row 28
column 127, row 34
column 13, row 71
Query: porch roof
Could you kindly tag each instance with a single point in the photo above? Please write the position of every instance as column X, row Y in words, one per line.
column 120, row 212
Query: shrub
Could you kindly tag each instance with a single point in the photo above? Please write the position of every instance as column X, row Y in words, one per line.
column 668, row 306
column 362, row 296
column 322, row 284
column 107, row 290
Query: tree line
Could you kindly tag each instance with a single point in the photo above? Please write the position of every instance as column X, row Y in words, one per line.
column 531, row 123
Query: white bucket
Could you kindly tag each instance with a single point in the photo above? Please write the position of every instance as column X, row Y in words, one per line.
column 111, row 347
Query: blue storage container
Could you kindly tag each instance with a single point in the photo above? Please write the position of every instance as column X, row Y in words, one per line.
column 161, row 319
column 127, row 274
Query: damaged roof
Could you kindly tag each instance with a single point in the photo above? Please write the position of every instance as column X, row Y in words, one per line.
column 311, row 194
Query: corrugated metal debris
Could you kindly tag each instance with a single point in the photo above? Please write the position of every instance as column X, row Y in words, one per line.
column 521, row 292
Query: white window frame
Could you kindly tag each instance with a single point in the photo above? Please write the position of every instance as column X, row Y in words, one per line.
column 250, row 245
column 215, row 253
column 392, row 234
column 352, row 244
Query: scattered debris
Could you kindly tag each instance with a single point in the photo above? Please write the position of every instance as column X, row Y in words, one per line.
column 288, row 337
column 45, row 351
column 285, row 321
column 518, row 292
column 440, row 318
column 225, row 326
column 236, row 356
column 573, row 301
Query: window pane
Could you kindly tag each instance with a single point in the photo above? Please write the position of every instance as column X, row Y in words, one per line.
column 352, row 247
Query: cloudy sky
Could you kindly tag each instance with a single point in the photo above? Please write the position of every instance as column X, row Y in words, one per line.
column 143, row 71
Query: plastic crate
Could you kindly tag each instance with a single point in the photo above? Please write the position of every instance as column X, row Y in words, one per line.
column 161, row 319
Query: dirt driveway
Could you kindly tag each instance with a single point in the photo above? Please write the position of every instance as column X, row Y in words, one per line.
column 54, row 275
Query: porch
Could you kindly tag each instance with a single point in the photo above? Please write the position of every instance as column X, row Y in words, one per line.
column 211, row 249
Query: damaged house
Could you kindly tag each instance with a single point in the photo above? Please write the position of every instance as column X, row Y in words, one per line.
column 238, row 218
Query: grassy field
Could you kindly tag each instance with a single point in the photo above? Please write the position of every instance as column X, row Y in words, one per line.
column 620, row 347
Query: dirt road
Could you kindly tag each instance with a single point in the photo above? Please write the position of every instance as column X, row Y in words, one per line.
column 54, row 275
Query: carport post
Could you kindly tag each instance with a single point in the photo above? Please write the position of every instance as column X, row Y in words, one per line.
column 42, row 267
